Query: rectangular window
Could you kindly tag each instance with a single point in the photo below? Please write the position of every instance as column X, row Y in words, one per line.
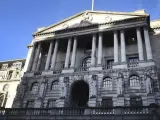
column 110, row 63
column 133, row 61
column 51, row 103
column 135, row 101
column 107, row 102
column 30, row 104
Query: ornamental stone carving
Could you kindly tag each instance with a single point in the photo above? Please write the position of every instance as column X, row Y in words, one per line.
column 120, row 84
column 64, row 86
column 43, row 87
column 87, row 16
column 108, row 19
column 94, row 86
column 148, row 85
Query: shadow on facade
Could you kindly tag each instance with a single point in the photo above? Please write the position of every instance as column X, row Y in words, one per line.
column 79, row 94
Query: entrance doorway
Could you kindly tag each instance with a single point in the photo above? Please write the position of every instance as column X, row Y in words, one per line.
column 79, row 94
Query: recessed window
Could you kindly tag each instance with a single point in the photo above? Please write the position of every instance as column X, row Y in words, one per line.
column 134, row 81
column 51, row 103
column 110, row 63
column 54, row 85
column 107, row 83
column 30, row 104
column 107, row 102
column 10, row 74
column 34, row 87
column 86, row 62
column 135, row 101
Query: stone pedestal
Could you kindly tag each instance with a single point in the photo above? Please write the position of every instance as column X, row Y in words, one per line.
column 151, row 99
column 67, row 70
column 120, row 101
column 120, row 66
column 146, row 64
column 92, row 102
column 61, row 102
column 95, row 68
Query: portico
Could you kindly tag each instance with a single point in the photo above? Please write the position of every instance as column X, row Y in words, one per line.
column 97, row 49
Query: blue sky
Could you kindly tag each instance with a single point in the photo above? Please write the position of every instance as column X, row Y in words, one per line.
column 20, row 18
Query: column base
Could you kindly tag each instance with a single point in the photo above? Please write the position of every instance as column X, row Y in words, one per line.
column 120, row 66
column 49, row 72
column 95, row 68
column 146, row 63
column 68, row 70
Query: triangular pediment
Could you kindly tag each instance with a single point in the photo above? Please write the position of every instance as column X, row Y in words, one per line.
column 87, row 18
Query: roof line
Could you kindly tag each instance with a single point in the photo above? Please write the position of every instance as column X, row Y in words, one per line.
column 104, row 12
column 12, row 60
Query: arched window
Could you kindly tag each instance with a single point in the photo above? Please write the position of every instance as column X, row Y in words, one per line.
column 107, row 83
column 134, row 81
column 34, row 87
column 54, row 85
column 86, row 62
column 5, row 87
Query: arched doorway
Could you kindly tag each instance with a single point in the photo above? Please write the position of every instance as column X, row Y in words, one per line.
column 79, row 94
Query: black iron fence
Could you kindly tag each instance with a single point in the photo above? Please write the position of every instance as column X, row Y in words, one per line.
column 147, row 113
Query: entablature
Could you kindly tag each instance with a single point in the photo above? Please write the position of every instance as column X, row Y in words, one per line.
column 94, row 28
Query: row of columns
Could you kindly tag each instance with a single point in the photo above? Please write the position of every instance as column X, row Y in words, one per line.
column 51, row 58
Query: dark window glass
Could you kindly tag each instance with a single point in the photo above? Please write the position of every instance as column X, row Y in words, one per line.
column 110, row 63
column 107, row 102
column 135, row 101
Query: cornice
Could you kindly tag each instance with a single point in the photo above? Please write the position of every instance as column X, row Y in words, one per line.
column 92, row 26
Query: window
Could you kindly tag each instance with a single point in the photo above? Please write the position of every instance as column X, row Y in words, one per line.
column 30, row 104
column 54, row 85
column 4, row 66
column 10, row 74
column 86, row 62
column 107, row 83
column 5, row 87
column 134, row 81
column 135, row 101
column 34, row 87
column 110, row 63
column 107, row 102
column 51, row 103
column 133, row 61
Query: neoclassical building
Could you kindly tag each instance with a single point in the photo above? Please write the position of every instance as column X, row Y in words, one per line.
column 93, row 59
column 10, row 76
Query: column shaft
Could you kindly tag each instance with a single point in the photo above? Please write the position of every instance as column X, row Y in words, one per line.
column 148, row 44
column 100, row 48
column 123, row 47
column 49, row 55
column 31, row 58
column 68, row 53
column 54, row 56
column 93, row 56
column 74, row 52
column 115, row 47
column 36, row 57
column 140, row 44
column 39, row 62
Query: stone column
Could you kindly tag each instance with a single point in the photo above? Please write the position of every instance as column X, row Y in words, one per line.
column 115, row 47
column 93, row 56
column 100, row 48
column 54, row 56
column 39, row 62
column 36, row 57
column 31, row 58
column 148, row 44
column 74, row 53
column 49, row 55
column 123, row 46
column 140, row 44
column 68, row 53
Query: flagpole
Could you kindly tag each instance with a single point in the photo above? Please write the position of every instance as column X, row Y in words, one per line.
column 92, row 5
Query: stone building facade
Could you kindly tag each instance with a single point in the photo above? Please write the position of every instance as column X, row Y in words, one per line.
column 94, row 58
column 10, row 76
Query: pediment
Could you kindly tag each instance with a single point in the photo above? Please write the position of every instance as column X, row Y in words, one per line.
column 87, row 18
